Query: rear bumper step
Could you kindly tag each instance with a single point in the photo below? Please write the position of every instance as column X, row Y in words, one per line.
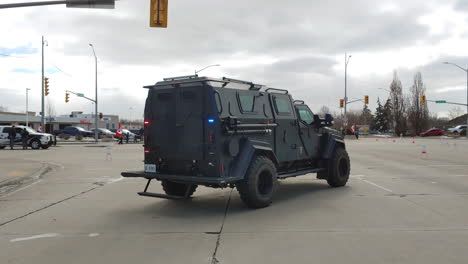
column 164, row 196
column 181, row 178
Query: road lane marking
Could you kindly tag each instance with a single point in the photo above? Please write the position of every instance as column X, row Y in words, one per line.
column 35, row 237
column 93, row 234
column 20, row 189
column 376, row 185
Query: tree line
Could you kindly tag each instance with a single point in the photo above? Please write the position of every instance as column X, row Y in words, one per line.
column 401, row 113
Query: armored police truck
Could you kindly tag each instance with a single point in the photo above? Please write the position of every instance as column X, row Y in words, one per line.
column 233, row 133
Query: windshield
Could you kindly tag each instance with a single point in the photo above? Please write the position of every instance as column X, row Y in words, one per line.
column 30, row 130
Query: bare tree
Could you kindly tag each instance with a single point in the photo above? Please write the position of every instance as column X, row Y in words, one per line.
column 418, row 114
column 50, row 110
column 456, row 112
column 324, row 110
column 399, row 105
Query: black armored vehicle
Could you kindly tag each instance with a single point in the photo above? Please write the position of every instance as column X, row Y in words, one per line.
column 227, row 132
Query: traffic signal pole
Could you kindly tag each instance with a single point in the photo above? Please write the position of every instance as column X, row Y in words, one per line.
column 42, row 90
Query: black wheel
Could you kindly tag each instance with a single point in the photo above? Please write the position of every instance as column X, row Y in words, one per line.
column 2, row 147
column 35, row 144
column 179, row 189
column 339, row 168
column 45, row 146
column 259, row 184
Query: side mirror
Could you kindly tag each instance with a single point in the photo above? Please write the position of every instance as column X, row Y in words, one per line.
column 317, row 120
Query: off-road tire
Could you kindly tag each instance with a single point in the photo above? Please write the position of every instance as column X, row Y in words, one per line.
column 339, row 168
column 259, row 184
column 178, row 189
column 35, row 144
column 2, row 147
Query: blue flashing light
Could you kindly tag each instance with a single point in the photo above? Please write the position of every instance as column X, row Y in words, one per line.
column 211, row 120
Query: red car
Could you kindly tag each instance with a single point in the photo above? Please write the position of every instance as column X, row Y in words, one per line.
column 433, row 132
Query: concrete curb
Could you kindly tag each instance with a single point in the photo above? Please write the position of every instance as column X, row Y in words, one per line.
column 8, row 185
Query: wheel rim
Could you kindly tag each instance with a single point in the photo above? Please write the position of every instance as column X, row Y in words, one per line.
column 35, row 144
column 265, row 183
column 343, row 167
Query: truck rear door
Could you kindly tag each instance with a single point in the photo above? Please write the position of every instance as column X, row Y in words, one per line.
column 177, row 125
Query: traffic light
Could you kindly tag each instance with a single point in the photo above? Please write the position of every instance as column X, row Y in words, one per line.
column 100, row 115
column 46, row 86
column 67, row 97
column 366, row 99
column 341, row 103
column 423, row 99
column 158, row 13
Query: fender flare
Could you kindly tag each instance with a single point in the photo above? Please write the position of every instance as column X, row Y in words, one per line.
column 331, row 142
column 247, row 152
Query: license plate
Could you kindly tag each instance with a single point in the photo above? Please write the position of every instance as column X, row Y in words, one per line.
column 150, row 168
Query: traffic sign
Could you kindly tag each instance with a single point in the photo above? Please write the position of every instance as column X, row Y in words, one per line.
column 441, row 102
column 158, row 13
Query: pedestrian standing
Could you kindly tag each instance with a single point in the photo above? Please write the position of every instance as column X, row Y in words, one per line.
column 356, row 132
column 12, row 136
column 127, row 136
column 24, row 138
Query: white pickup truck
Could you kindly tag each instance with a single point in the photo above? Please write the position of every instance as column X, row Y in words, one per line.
column 36, row 140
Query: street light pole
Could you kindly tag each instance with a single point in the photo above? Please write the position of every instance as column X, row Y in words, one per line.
column 96, row 99
column 347, row 58
column 465, row 70
column 213, row 65
column 27, row 111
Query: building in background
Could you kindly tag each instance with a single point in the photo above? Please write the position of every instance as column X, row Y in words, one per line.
column 76, row 118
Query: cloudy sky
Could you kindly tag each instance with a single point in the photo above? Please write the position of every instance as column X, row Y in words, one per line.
column 297, row 44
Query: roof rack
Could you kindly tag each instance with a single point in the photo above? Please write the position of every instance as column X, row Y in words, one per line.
column 253, row 86
column 298, row 102
column 186, row 77
column 277, row 90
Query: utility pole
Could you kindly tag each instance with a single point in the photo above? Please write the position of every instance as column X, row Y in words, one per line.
column 27, row 111
column 347, row 58
column 42, row 90
column 96, row 135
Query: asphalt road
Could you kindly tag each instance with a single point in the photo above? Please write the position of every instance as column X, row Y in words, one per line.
column 400, row 206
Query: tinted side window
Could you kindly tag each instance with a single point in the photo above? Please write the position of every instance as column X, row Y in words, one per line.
column 247, row 103
column 6, row 130
column 306, row 116
column 282, row 106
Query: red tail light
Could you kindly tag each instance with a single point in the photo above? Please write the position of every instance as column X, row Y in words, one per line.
column 146, row 123
column 211, row 137
column 147, row 151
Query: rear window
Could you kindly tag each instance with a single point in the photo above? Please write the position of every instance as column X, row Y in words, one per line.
column 188, row 95
column 164, row 97
column 247, row 103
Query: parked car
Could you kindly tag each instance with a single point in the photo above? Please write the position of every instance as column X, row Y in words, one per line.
column 104, row 132
column 131, row 135
column 457, row 129
column 74, row 131
column 433, row 132
column 36, row 140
